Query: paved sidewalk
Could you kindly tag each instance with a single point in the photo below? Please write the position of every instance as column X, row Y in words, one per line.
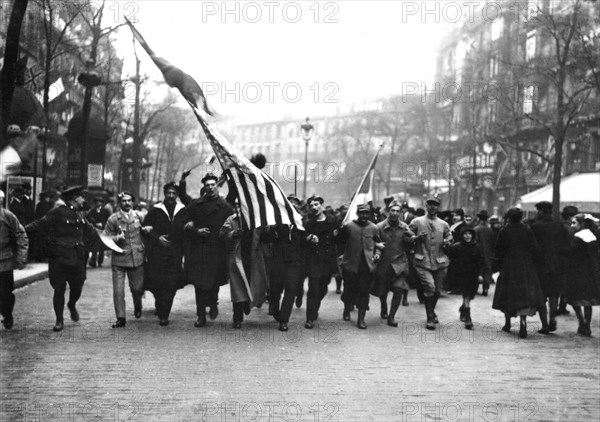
column 334, row 372
column 34, row 271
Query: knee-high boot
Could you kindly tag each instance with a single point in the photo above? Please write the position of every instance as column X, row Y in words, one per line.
column 360, row 322
column 396, row 299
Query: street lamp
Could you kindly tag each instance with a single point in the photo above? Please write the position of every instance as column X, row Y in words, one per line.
column 89, row 79
column 307, row 129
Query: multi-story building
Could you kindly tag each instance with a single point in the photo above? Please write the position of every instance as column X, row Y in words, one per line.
column 499, row 79
column 65, row 94
column 338, row 151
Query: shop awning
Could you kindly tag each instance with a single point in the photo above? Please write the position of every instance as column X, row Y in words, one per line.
column 581, row 190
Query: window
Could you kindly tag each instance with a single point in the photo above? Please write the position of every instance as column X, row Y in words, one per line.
column 493, row 66
column 528, row 98
column 530, row 45
column 492, row 110
column 497, row 28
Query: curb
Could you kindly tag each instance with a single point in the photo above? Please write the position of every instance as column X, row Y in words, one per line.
column 24, row 281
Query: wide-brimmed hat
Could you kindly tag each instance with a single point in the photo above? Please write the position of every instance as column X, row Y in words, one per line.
column 483, row 215
column 467, row 228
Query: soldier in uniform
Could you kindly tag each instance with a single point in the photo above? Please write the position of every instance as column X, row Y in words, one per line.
column 361, row 255
column 67, row 231
column 431, row 263
column 125, row 228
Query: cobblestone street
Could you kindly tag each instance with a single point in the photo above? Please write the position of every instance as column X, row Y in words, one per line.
column 335, row 372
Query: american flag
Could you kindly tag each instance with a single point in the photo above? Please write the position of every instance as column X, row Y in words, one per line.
column 261, row 200
column 364, row 193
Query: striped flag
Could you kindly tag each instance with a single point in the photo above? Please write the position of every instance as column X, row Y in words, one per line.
column 261, row 200
column 364, row 193
column 175, row 77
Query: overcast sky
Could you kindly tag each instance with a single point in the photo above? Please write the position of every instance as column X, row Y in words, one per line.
column 287, row 58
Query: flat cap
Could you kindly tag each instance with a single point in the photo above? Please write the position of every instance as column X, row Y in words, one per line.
column 171, row 186
column 544, row 206
column 72, row 192
column 210, row 176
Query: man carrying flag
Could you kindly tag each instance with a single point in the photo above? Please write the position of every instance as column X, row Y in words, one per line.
column 361, row 255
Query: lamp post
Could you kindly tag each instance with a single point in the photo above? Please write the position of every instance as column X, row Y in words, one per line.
column 89, row 79
column 307, row 129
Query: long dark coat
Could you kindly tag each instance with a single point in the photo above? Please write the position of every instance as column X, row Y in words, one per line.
column 206, row 257
column 583, row 270
column 486, row 239
column 518, row 289
column 392, row 269
column 321, row 259
column 163, row 264
column 553, row 238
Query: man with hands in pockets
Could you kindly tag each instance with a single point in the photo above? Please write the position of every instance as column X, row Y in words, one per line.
column 431, row 263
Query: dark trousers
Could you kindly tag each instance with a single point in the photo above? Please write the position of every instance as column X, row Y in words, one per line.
column 61, row 274
column 164, row 294
column 7, row 298
column 317, row 289
column 205, row 297
column 97, row 257
column 238, row 311
column 288, row 283
column 356, row 288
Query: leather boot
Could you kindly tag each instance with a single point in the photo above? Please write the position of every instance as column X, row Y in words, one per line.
column 360, row 322
column 429, row 311
column 461, row 311
column 384, row 307
column 346, row 314
column 396, row 299
column 201, row 322
column 434, row 300
column 120, row 323
column 468, row 322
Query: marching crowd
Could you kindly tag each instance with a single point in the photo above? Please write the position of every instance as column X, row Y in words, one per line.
column 543, row 264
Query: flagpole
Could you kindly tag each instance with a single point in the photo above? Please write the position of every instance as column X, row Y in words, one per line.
column 363, row 180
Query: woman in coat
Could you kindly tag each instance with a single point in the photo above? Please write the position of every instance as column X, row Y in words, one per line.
column 583, row 274
column 518, row 291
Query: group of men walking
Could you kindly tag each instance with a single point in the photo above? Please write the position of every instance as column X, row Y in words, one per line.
column 205, row 242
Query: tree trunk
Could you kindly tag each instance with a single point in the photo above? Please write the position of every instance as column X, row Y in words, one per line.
column 9, row 71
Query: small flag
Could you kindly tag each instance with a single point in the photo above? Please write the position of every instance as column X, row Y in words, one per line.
column 364, row 193
column 174, row 76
